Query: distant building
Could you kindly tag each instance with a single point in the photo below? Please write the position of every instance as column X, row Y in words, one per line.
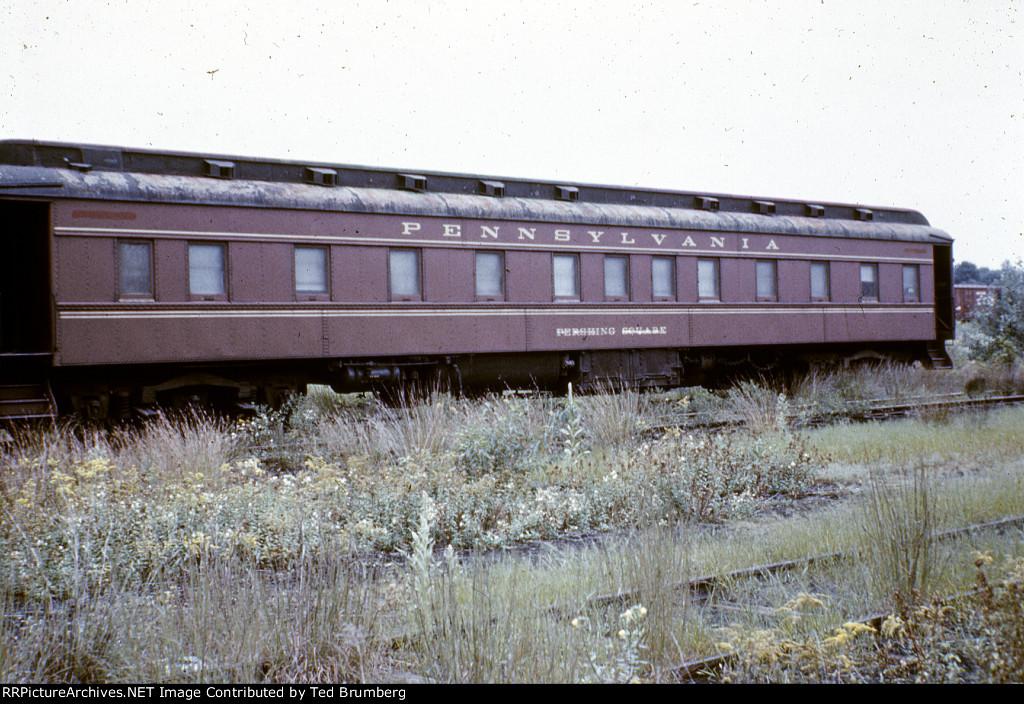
column 969, row 298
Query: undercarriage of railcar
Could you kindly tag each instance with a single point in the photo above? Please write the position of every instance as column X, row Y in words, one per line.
column 125, row 391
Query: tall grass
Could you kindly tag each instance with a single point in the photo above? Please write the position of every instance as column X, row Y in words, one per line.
column 899, row 519
column 966, row 440
column 615, row 419
column 761, row 408
column 220, row 621
column 391, row 432
column 200, row 549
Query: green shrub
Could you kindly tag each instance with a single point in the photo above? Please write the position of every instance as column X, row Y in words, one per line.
column 498, row 439
column 1000, row 325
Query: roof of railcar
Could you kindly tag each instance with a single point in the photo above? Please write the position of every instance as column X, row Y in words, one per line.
column 78, row 170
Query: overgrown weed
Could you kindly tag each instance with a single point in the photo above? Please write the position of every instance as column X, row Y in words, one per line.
column 974, row 638
column 195, row 526
column 759, row 406
column 899, row 523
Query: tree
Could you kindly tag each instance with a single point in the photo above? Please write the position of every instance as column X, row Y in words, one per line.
column 1001, row 324
column 970, row 273
column 964, row 272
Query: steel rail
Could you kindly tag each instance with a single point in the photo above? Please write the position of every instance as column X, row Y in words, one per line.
column 943, row 402
column 700, row 668
column 708, row 583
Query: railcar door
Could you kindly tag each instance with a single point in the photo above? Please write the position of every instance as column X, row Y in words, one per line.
column 26, row 328
column 944, row 309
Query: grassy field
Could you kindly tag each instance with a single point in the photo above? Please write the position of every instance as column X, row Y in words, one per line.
column 339, row 540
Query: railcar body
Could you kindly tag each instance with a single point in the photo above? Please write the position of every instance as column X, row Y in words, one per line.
column 969, row 299
column 134, row 277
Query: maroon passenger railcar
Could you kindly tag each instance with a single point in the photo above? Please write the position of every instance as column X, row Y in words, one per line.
column 132, row 277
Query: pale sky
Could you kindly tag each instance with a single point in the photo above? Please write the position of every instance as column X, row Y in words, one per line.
column 909, row 103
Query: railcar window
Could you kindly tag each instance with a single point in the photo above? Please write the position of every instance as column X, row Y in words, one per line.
column 869, row 282
column 911, row 284
column 566, row 268
column 663, row 278
column 708, row 288
column 310, row 270
column 819, row 281
column 206, row 270
column 767, row 280
column 616, row 277
column 135, row 260
column 404, row 274
column 490, row 270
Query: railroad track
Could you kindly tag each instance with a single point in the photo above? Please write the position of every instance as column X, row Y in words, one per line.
column 706, row 591
column 715, row 594
column 800, row 417
column 923, row 407
column 805, row 416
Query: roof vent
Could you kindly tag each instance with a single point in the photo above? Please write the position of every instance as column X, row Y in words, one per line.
column 100, row 158
column 706, row 203
column 814, row 211
column 218, row 169
column 865, row 214
column 321, row 177
column 764, row 207
column 491, row 188
column 78, row 165
column 412, row 182
column 570, row 193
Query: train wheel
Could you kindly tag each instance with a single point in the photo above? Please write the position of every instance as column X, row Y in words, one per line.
column 278, row 395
